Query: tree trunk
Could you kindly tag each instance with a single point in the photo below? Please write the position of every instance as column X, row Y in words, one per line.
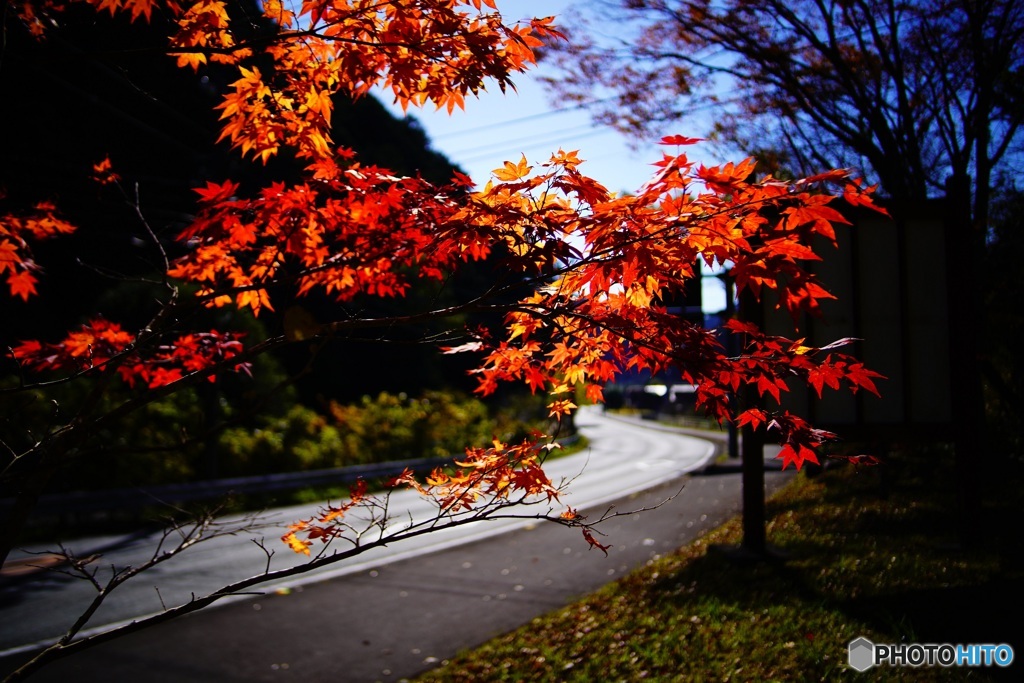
column 754, row 539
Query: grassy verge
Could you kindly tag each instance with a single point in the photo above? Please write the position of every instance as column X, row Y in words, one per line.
column 867, row 556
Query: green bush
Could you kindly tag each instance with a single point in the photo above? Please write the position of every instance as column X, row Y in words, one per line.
column 396, row 427
column 182, row 438
column 376, row 429
column 301, row 439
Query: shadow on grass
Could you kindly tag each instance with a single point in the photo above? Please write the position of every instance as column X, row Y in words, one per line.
column 985, row 613
column 866, row 553
column 860, row 561
column 782, row 613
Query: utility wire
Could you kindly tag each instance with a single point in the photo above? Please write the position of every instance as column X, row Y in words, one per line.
column 521, row 119
column 534, row 143
column 515, row 142
column 557, row 137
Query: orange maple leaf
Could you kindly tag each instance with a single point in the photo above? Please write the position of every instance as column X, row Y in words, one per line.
column 103, row 173
column 512, row 172
column 22, row 284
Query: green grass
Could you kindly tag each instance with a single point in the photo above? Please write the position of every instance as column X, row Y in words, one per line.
column 869, row 553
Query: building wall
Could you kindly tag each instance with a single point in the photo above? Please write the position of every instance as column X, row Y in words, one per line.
column 889, row 277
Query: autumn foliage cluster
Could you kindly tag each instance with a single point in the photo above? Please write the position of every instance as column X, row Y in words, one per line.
column 581, row 273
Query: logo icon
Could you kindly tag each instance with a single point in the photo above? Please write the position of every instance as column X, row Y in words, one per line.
column 862, row 654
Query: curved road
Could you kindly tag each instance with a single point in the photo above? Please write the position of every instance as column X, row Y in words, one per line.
column 626, row 463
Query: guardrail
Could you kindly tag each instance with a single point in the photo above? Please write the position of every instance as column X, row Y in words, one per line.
column 140, row 497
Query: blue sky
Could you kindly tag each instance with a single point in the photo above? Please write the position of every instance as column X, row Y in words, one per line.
column 498, row 127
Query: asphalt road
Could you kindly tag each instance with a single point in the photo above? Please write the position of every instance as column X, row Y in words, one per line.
column 389, row 617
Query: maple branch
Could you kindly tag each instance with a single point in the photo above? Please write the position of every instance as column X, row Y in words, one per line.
column 190, row 533
column 148, row 334
column 198, row 437
column 287, row 36
column 152, row 332
column 266, row 551
column 114, row 275
column 137, row 208
column 10, row 453
column 67, row 644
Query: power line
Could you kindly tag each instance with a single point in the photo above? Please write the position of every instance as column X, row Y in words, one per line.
column 521, row 119
column 533, row 143
column 556, row 137
column 507, row 143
